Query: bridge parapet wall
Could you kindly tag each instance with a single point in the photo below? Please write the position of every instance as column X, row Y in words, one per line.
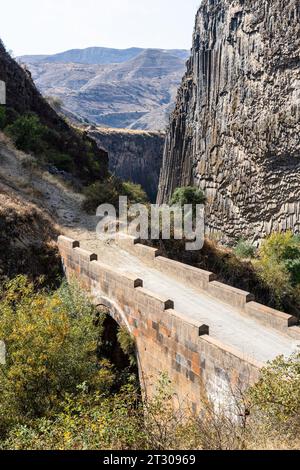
column 167, row 340
column 207, row 282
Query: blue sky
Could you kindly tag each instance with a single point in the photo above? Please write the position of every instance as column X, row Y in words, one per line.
column 49, row 26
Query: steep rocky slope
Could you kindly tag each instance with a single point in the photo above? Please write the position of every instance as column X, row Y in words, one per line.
column 90, row 162
column 133, row 88
column 235, row 130
column 27, row 232
column 35, row 207
column 26, row 239
column 133, row 155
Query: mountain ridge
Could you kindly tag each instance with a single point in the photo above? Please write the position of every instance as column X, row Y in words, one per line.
column 98, row 55
column 136, row 93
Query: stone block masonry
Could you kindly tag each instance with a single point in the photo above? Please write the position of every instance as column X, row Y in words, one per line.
column 194, row 277
column 205, row 281
column 167, row 340
column 270, row 317
column 232, row 296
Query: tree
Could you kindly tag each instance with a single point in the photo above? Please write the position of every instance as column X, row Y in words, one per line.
column 27, row 132
column 134, row 192
column 188, row 195
column 276, row 396
column 51, row 342
column 279, row 264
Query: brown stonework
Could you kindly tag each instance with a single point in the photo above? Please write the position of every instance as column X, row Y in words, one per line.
column 205, row 281
column 235, row 297
column 269, row 316
column 167, row 341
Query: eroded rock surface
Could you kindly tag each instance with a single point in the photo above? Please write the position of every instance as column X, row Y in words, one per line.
column 235, row 130
column 133, row 155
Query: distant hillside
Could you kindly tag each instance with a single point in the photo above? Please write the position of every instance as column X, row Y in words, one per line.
column 131, row 88
column 97, row 55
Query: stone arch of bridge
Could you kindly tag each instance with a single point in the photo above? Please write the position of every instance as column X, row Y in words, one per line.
column 114, row 310
column 118, row 314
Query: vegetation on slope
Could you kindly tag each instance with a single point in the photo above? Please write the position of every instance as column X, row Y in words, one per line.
column 36, row 127
column 187, row 195
column 109, row 191
column 77, row 157
column 58, row 391
column 52, row 341
column 27, row 245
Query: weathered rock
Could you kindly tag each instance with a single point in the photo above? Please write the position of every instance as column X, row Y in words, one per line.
column 235, row 130
column 133, row 155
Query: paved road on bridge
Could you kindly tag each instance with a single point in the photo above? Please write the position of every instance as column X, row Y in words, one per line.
column 226, row 324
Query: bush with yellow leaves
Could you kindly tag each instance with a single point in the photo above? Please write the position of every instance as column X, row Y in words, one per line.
column 51, row 344
column 278, row 266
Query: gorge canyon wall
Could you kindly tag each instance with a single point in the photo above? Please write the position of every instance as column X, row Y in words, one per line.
column 133, row 155
column 235, row 130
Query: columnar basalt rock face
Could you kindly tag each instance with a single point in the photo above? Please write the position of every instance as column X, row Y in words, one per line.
column 235, row 130
column 133, row 155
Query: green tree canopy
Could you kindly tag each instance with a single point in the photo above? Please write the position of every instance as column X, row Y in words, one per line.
column 188, row 195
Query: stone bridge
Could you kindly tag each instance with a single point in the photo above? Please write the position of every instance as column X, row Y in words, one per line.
column 206, row 335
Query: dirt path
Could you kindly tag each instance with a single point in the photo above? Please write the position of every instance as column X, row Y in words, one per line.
column 19, row 172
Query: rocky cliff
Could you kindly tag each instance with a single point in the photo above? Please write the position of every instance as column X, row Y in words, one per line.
column 235, row 130
column 133, row 155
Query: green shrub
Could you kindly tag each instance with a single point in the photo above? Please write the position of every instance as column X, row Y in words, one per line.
column 62, row 161
column 134, row 192
column 86, row 422
column 27, row 132
column 2, row 117
column 109, row 191
column 293, row 267
column 101, row 193
column 128, row 345
column 279, row 264
column 93, row 421
column 244, row 250
column 277, row 394
column 51, row 342
column 187, row 195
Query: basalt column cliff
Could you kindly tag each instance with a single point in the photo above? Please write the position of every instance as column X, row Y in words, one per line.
column 235, row 131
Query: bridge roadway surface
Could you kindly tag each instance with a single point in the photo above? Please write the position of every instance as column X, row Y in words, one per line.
column 227, row 325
